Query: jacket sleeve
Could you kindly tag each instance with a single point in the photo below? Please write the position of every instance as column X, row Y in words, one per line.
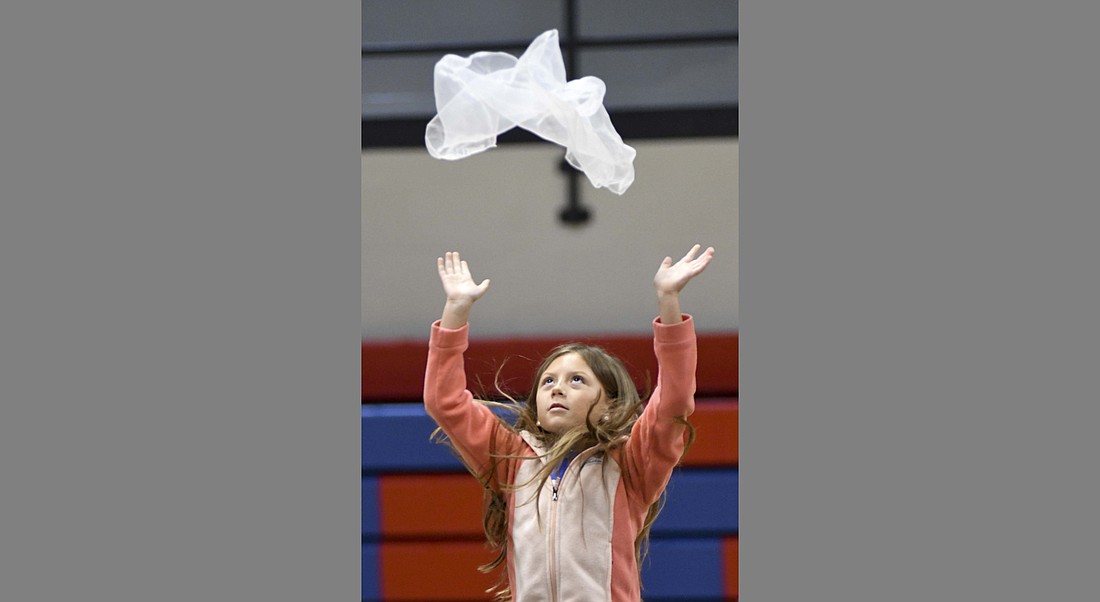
column 470, row 426
column 657, row 441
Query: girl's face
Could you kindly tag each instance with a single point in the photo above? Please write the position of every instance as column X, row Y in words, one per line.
column 566, row 391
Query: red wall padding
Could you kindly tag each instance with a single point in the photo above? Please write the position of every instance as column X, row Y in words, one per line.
column 435, row 571
column 729, row 557
column 394, row 371
column 430, row 506
column 715, row 423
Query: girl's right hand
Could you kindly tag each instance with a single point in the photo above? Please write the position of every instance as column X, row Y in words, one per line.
column 458, row 284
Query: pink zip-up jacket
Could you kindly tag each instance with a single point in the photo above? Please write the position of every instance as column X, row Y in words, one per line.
column 577, row 545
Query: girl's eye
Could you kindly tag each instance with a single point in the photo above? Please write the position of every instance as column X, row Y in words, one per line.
column 578, row 379
column 547, row 380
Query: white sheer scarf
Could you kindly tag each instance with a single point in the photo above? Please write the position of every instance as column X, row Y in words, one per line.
column 486, row 94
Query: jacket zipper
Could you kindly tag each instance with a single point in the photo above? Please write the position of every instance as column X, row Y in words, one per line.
column 553, row 546
column 555, row 484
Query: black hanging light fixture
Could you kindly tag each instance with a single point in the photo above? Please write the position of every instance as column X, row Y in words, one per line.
column 574, row 213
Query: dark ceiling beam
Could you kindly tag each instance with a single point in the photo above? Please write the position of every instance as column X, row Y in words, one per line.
column 631, row 125
column 392, row 48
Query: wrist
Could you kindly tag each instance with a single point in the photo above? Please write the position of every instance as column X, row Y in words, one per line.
column 455, row 316
column 459, row 304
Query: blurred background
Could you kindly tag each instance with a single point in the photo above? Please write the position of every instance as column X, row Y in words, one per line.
column 567, row 261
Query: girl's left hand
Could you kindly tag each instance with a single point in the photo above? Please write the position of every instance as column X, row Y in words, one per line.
column 672, row 277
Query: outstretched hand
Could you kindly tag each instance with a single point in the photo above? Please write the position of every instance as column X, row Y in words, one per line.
column 458, row 284
column 672, row 277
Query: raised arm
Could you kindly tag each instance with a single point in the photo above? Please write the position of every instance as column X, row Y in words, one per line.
column 471, row 427
column 657, row 440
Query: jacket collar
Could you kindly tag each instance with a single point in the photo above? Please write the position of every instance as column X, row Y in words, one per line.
column 541, row 449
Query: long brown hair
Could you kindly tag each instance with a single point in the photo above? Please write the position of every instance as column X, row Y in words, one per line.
column 605, row 433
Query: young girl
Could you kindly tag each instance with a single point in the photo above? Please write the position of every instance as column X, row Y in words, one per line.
column 574, row 485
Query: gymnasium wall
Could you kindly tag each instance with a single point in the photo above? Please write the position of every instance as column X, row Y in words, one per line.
column 500, row 210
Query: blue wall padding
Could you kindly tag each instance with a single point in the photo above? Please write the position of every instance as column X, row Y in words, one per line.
column 683, row 568
column 396, row 438
column 371, row 584
column 699, row 502
column 370, row 519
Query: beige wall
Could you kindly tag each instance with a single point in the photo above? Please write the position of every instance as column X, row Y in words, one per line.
column 500, row 210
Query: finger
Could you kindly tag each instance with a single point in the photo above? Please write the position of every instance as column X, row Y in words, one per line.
column 704, row 260
column 484, row 286
column 439, row 266
column 707, row 255
column 465, row 269
column 457, row 262
column 691, row 254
